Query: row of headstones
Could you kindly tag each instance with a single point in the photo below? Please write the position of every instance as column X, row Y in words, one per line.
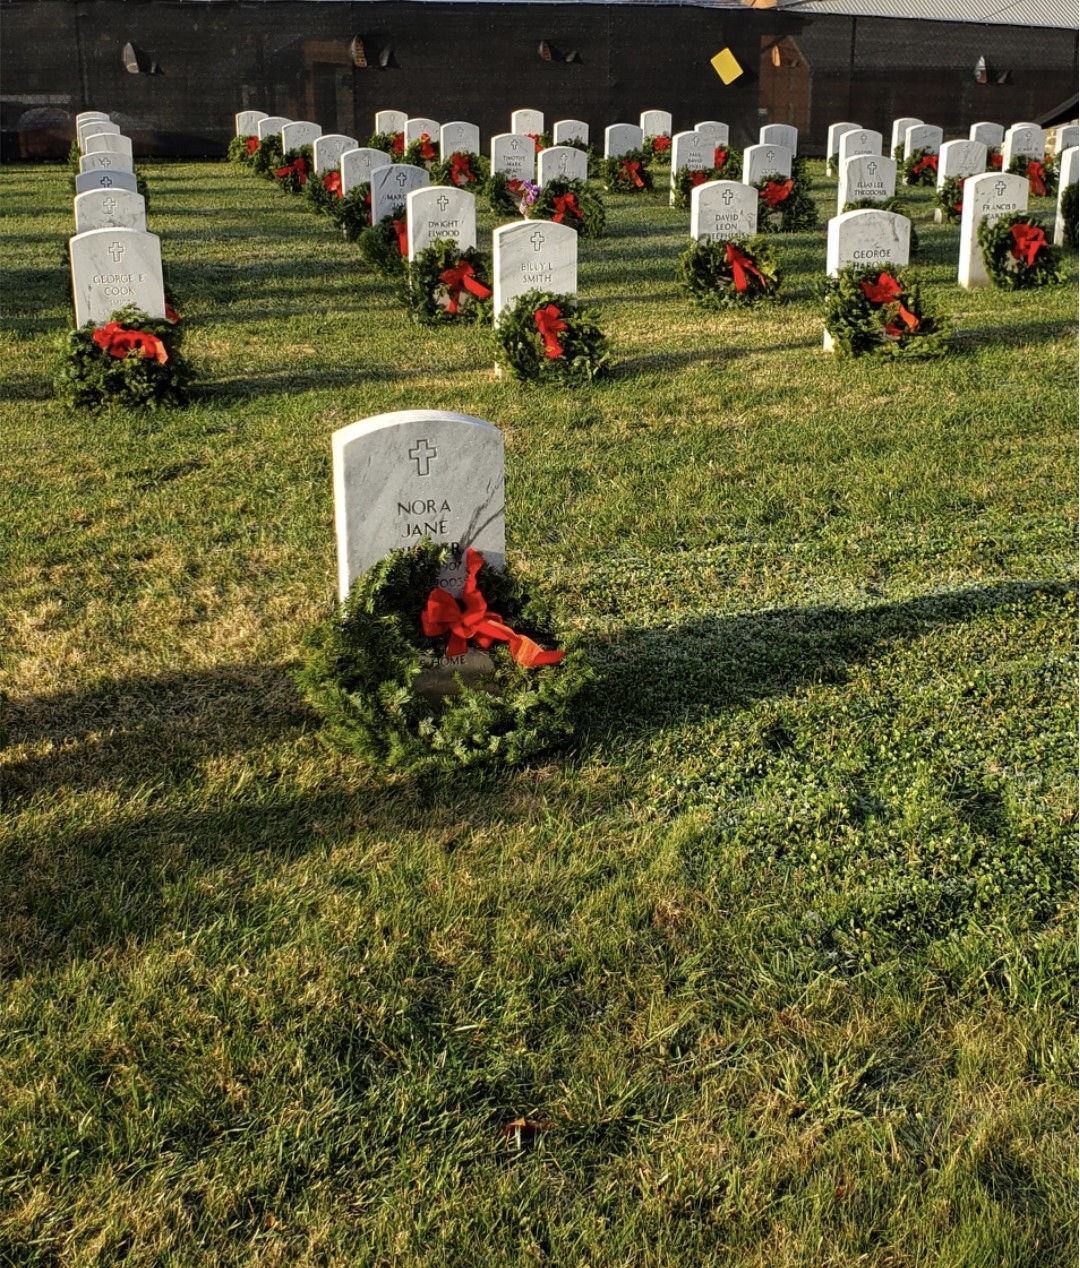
column 115, row 262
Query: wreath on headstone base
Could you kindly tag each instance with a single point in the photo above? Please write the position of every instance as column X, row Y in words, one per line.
column 392, row 143
column 1070, row 213
column 546, row 338
column 572, row 203
column 363, row 668
column 352, row 214
column 657, row 149
column 296, row 169
column 784, row 205
column 949, row 199
column 132, row 360
column 895, row 205
column 422, row 152
column 268, row 155
column 725, row 274
column 446, row 283
column 463, row 169
column 504, row 194
column 627, row 174
column 242, row 150
column 727, row 166
column 871, row 312
column 1018, row 255
column 384, row 246
column 920, row 168
column 1041, row 174
column 323, row 193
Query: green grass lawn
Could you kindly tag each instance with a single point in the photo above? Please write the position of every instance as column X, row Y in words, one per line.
column 779, row 956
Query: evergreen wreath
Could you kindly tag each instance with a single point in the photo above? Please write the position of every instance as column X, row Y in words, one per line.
column 242, row 150
column 323, row 193
column 898, row 155
column 657, row 149
column 74, row 158
column 1069, row 214
column 361, row 668
column 1042, row 174
column 1018, row 255
column 296, row 169
column 392, row 143
column 570, row 203
column 627, row 174
column 464, row 169
column 383, row 246
column 446, row 283
column 352, row 214
column 504, row 194
column 540, row 140
column 729, row 168
column 784, row 206
column 920, row 168
column 949, row 199
column 724, row 274
column 896, row 205
column 268, row 155
column 132, row 360
column 869, row 311
column 422, row 152
column 547, row 338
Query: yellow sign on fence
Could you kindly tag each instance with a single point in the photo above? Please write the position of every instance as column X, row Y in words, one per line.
column 726, row 66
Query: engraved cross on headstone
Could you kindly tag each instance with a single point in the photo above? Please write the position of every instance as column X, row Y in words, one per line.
column 109, row 205
column 402, row 179
column 442, row 202
column 116, row 250
column 105, row 182
column 727, row 196
column 999, row 188
column 105, row 162
column 770, row 155
column 871, row 168
column 515, row 145
column 537, row 240
column 422, row 454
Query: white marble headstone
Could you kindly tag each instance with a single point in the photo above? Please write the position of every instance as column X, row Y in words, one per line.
column 301, row 132
column 95, row 127
column 570, row 130
column 106, row 161
column 108, row 143
column 715, row 130
column 622, row 138
column 247, row 121
column 958, row 159
column 858, row 141
column 832, row 145
column 760, row 161
column 84, row 116
column 866, row 178
column 390, row 122
column 779, row 134
column 922, row 136
column 391, row 185
column 720, row 210
column 440, row 211
column 513, row 154
column 990, row 134
column 414, row 474
column 109, row 209
column 533, row 255
column 419, row 127
column 899, row 131
column 112, row 268
column 867, row 239
column 271, row 126
column 986, row 197
column 458, row 138
column 356, row 166
column 86, row 181
column 1065, row 137
column 328, row 151
column 1068, row 174
column 561, row 162
column 1025, row 140
column 527, row 121
column 655, row 122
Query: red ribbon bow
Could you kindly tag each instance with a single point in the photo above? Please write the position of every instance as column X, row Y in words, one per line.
column 741, row 265
column 886, row 290
column 462, row 275
column 633, row 169
column 1036, row 175
column 719, row 157
column 397, row 146
column 534, row 137
column 298, row 165
column 401, row 228
column 332, row 183
column 549, row 322
column 427, row 150
column 774, row 193
column 513, row 185
column 1028, row 241
column 698, row 178
column 118, row 341
column 470, row 619
column 927, row 161
column 661, row 143
column 996, row 159
column 564, row 203
column 170, row 313
column 252, row 143
column 459, row 166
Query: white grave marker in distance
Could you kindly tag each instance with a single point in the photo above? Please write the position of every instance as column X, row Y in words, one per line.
column 779, row 134
column 713, row 129
column 112, row 268
column 390, row 186
column 720, row 210
column 86, row 181
column 1022, row 140
column 622, row 138
column 527, row 121
column 301, row 132
column 655, row 122
column 458, row 138
column 108, row 143
column 440, row 211
column 106, row 161
column 990, row 134
column 271, row 126
column 866, row 178
column 958, row 159
column 328, row 151
column 357, row 165
column 533, row 255
column 922, row 136
column 418, row 127
column 390, row 122
column 1068, row 175
column 514, row 155
column 760, row 161
column 96, row 127
column 570, row 130
column 109, row 209
column 858, row 141
column 84, row 116
column 832, row 145
column 868, row 239
column 987, row 197
column 561, row 162
column 247, row 122
column 690, row 151
column 899, row 130
column 1066, row 137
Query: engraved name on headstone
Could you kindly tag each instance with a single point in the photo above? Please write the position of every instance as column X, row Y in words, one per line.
column 514, row 155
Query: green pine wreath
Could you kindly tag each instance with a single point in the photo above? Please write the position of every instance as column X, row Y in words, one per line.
column 432, row 292
column 362, row 668
column 896, row 205
column 728, row 169
column 89, row 375
column 660, row 154
column 503, row 194
column 790, row 214
column 919, row 169
column 589, row 217
column 1010, row 268
column 1041, row 174
column 322, row 193
column 268, row 155
column 861, row 325
column 295, row 169
column 707, row 273
column 380, row 244
column 414, row 151
column 618, row 174
column 352, row 214
column 1069, row 214
column 392, row 143
column 949, row 199
column 242, row 150
column 457, row 168
column 520, row 347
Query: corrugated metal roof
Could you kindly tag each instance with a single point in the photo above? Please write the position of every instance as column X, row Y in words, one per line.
column 1061, row 14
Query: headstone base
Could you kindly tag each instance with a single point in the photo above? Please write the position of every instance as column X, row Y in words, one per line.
column 437, row 678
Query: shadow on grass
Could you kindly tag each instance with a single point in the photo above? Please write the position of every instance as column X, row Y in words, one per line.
column 318, row 378
column 1018, row 335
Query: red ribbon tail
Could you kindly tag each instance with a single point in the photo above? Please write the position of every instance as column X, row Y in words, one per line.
column 476, row 288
